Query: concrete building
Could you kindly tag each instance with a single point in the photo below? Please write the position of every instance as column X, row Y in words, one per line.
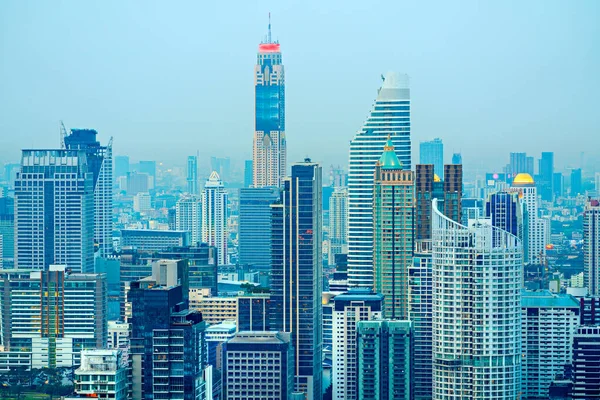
column 384, row 360
column 153, row 240
column 215, row 212
column 258, row 366
column 591, row 247
column 348, row 310
column 338, row 223
column 142, row 202
column 118, row 335
column 102, row 375
column 188, row 217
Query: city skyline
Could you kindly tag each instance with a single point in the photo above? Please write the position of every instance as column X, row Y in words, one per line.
column 106, row 99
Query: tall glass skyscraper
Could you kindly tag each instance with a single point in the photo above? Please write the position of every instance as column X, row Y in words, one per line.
column 390, row 116
column 296, row 274
column 476, row 310
column 432, row 152
column 192, row 175
column 269, row 151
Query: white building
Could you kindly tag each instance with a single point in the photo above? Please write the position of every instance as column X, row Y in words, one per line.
column 118, row 335
column 548, row 324
column 142, row 202
column 102, row 375
column 390, row 115
column 214, row 216
column 591, row 247
column 476, row 276
column 348, row 309
column 338, row 223
column 188, row 217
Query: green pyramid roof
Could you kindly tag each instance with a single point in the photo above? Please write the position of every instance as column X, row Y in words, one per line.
column 389, row 159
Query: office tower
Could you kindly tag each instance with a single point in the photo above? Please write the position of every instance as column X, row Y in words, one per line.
column 420, row 306
column 393, row 231
column 558, row 184
column 153, row 240
column 248, row 173
column 384, row 360
column 390, row 116
column 137, row 182
column 118, row 335
column 456, row 159
column 253, row 312
column 254, row 353
column 269, row 150
column 121, row 166
column 142, row 202
column 546, row 175
column 202, row 265
column 576, row 182
column 134, row 266
column 296, row 282
column 168, row 352
column 591, row 247
column 102, row 374
column 548, row 323
column 100, row 164
column 192, row 175
column 7, row 230
column 429, row 186
column 54, row 204
column 432, row 152
column 254, row 226
column 477, row 310
column 504, row 209
column 52, row 315
column 534, row 228
column 148, row 167
column 111, row 267
column 586, row 363
column 349, row 309
column 214, row 216
column 519, row 163
column 338, row 223
column 188, row 217
column 216, row 335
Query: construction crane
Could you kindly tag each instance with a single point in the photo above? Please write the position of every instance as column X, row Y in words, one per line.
column 63, row 135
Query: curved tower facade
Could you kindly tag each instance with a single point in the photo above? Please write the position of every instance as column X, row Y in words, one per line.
column 476, row 310
column 269, row 150
column 390, row 115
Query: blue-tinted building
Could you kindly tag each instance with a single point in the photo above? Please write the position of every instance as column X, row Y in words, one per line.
column 576, row 182
column 248, row 172
column 254, row 226
column 546, row 177
column 121, row 166
column 202, row 264
column 7, row 230
column 432, row 152
column 253, row 313
column 296, row 275
column 505, row 211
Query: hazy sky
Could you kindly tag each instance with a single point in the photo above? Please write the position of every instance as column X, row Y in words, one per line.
column 168, row 78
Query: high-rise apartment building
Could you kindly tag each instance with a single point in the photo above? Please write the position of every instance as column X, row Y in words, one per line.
column 348, row 310
column 52, row 314
column 192, row 175
column 258, row 366
column 269, row 150
column 432, row 152
column 586, row 363
column 100, row 164
column 384, row 352
column 420, row 306
column 188, row 217
column 254, row 226
column 54, row 211
column 477, row 310
column 214, row 217
column 296, row 273
column 393, row 198
column 390, row 115
column 338, row 223
column 548, row 324
column 591, row 247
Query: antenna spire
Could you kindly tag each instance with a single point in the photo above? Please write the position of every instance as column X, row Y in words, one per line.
column 269, row 35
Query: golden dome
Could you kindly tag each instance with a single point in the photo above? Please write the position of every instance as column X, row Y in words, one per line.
column 436, row 178
column 523, row 179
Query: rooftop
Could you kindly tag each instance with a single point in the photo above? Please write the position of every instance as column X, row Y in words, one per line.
column 546, row 299
column 261, row 337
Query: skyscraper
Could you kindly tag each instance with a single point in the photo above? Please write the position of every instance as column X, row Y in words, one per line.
column 269, row 151
column 576, row 182
column 7, row 230
column 591, row 247
column 202, row 265
column 192, row 175
column 519, row 163
column 456, row 158
column 546, row 175
column 254, row 226
column 338, row 223
column 558, row 184
column 100, row 164
column 504, row 209
column 476, row 310
column 248, row 173
column 214, row 216
column 188, row 217
column 390, row 116
column 296, row 274
column 586, row 358
column 393, row 231
column 432, row 152
column 54, row 203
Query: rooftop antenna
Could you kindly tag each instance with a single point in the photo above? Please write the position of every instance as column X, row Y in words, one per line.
column 269, row 34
